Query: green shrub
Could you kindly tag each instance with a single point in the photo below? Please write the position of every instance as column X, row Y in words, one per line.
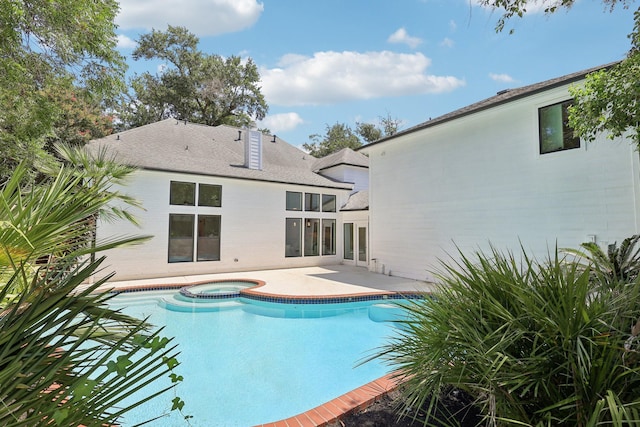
column 533, row 343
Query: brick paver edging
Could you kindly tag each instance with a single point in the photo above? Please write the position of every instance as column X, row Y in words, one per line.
column 332, row 411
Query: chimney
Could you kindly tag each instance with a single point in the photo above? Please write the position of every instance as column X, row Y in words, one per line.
column 253, row 149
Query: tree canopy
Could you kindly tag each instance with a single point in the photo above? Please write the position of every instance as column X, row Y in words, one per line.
column 608, row 102
column 48, row 51
column 340, row 135
column 512, row 8
column 192, row 85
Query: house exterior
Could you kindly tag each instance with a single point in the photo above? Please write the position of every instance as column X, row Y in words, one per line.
column 505, row 172
column 219, row 199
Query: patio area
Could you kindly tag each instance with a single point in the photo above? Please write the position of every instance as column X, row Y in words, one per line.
column 320, row 281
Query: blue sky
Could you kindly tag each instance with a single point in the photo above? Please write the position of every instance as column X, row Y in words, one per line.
column 349, row 61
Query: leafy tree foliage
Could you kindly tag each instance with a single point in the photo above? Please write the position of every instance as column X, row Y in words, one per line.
column 47, row 50
column 338, row 136
column 518, row 8
column 194, row 86
column 608, row 102
column 341, row 136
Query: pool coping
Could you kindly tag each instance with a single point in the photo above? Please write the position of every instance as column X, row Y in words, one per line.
column 332, row 411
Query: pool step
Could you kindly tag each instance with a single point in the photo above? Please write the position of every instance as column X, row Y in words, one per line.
column 190, row 305
column 385, row 312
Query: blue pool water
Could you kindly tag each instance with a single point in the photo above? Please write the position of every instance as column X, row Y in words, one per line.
column 247, row 362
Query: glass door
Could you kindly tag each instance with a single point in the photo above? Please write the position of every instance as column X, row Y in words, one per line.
column 363, row 257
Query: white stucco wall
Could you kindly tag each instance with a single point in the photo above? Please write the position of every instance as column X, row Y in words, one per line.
column 481, row 179
column 252, row 227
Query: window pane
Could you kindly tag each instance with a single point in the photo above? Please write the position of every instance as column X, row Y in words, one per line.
column 328, row 237
column 182, row 193
column 362, row 244
column 294, row 201
column 180, row 238
column 293, row 237
column 555, row 132
column 208, row 238
column 328, row 203
column 311, row 229
column 348, row 241
column 210, row 195
column 312, row 202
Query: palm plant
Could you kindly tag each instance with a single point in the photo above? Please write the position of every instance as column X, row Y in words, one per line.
column 530, row 342
column 66, row 358
column 619, row 265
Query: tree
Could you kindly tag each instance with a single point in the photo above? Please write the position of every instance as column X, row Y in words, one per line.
column 370, row 132
column 519, row 7
column 608, row 102
column 341, row 136
column 194, row 86
column 45, row 47
column 338, row 136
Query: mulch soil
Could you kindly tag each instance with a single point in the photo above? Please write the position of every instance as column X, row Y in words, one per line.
column 385, row 413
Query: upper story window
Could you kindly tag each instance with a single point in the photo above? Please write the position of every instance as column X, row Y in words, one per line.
column 210, row 195
column 328, row 203
column 555, row 132
column 294, row 201
column 182, row 193
column 312, row 202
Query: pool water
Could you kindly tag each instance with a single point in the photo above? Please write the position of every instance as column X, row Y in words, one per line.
column 247, row 362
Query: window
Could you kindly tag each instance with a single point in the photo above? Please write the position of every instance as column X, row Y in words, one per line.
column 555, row 133
column 362, row 244
column 328, row 237
column 328, row 203
column 311, row 230
column 181, row 238
column 208, row 238
column 210, row 195
column 294, row 201
column 182, row 193
column 348, row 240
column 293, row 237
column 312, row 202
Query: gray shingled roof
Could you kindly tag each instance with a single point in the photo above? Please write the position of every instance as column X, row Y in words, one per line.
column 357, row 202
column 502, row 97
column 346, row 156
column 178, row 146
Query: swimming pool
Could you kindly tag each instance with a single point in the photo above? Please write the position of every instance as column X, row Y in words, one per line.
column 247, row 362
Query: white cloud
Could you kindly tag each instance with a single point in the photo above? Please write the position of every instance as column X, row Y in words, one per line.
column 401, row 36
column 447, row 42
column 333, row 77
column 453, row 26
column 503, row 78
column 125, row 42
column 281, row 122
column 201, row 17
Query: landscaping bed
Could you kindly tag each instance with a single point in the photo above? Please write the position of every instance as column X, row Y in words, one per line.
column 384, row 413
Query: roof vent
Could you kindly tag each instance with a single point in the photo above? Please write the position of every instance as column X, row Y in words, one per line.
column 502, row 92
column 253, row 149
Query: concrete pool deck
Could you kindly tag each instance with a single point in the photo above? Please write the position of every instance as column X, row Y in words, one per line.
column 333, row 280
column 313, row 282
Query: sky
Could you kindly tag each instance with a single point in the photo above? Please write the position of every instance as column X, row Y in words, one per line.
column 324, row 62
